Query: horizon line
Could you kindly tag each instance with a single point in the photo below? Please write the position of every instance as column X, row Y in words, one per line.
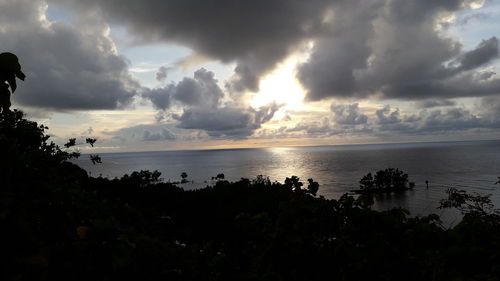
column 299, row 146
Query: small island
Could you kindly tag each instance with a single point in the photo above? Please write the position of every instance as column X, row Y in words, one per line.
column 384, row 181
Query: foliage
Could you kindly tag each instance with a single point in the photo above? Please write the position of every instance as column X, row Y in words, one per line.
column 95, row 158
column 142, row 178
column 385, row 180
column 59, row 224
column 219, row 176
column 471, row 205
column 293, row 183
column 90, row 141
column 184, row 176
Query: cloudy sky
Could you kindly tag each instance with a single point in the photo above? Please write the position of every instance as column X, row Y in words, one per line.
column 192, row 74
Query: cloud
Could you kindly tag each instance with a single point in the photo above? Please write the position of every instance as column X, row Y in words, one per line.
column 443, row 121
column 144, row 132
column 160, row 97
column 164, row 134
column 490, row 107
column 346, row 119
column 330, row 70
column 88, row 132
column 485, row 52
column 316, row 128
column 472, row 17
column 391, row 121
column 201, row 100
column 68, row 65
column 161, row 74
column 394, row 50
column 226, row 121
column 348, row 114
column 454, row 119
column 435, row 103
column 387, row 116
column 202, row 90
column 254, row 34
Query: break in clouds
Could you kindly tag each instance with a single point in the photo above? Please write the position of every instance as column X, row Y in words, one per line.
column 383, row 49
column 393, row 48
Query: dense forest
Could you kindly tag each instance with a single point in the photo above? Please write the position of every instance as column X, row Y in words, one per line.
column 58, row 223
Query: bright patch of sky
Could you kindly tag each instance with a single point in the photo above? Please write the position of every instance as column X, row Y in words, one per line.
column 471, row 26
column 146, row 60
column 280, row 86
column 56, row 13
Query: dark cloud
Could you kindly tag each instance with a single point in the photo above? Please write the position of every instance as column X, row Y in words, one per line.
column 161, row 74
column 387, row 116
column 348, row 114
column 201, row 90
column 254, row 34
column 490, row 108
column 68, row 65
column 243, row 79
column 454, row 119
column 346, row 119
column 485, row 75
column 432, row 121
column 486, row 51
column 393, row 49
column 435, row 103
column 390, row 121
column 201, row 100
column 226, row 121
column 330, row 71
column 160, row 97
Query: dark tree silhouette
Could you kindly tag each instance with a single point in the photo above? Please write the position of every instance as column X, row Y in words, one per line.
column 184, row 176
column 57, row 223
column 9, row 70
column 387, row 180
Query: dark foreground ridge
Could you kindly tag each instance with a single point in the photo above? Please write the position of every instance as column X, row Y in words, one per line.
column 57, row 223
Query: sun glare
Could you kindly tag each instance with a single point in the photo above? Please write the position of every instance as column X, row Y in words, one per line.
column 282, row 87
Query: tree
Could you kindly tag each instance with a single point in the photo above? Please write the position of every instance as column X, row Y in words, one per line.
column 470, row 204
column 313, row 187
column 10, row 69
column 184, row 175
column 367, row 182
column 293, row 183
column 385, row 180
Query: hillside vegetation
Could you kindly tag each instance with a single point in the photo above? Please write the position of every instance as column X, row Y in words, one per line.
column 57, row 223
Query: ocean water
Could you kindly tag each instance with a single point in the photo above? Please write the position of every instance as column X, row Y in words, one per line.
column 472, row 166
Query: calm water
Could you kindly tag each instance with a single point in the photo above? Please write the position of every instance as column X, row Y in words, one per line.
column 473, row 166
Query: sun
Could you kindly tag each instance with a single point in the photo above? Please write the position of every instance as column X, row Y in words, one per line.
column 282, row 87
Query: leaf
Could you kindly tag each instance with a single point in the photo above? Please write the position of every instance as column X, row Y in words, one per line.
column 95, row 158
column 90, row 141
column 71, row 142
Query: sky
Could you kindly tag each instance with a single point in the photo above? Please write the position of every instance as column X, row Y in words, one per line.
column 157, row 75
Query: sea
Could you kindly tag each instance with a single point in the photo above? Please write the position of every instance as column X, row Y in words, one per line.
column 473, row 166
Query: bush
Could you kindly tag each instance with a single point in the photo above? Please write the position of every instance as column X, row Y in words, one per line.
column 385, row 180
column 64, row 225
